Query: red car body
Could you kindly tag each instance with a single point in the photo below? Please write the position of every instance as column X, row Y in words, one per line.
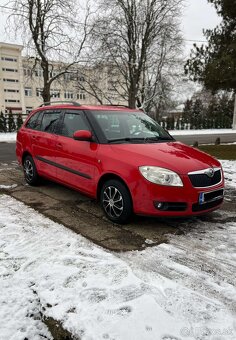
column 85, row 165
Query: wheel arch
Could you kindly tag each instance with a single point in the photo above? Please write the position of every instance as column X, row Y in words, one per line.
column 25, row 153
column 108, row 176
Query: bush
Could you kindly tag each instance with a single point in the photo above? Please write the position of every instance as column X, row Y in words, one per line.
column 11, row 123
column 3, row 123
column 19, row 121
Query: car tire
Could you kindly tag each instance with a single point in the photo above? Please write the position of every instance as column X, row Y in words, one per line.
column 30, row 171
column 116, row 201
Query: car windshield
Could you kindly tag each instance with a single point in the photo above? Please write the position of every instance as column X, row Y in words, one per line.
column 127, row 127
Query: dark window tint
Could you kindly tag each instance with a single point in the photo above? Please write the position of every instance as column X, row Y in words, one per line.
column 50, row 121
column 73, row 122
column 35, row 121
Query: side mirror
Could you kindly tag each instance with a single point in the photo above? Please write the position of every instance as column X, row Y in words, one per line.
column 83, row 135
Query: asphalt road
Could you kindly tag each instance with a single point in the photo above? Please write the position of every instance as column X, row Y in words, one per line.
column 7, row 150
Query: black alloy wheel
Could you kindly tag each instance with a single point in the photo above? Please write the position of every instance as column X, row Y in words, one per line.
column 116, row 201
column 30, row 171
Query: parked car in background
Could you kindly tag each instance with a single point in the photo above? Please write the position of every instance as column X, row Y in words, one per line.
column 120, row 157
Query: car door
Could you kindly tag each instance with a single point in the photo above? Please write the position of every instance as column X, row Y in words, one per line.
column 76, row 160
column 44, row 145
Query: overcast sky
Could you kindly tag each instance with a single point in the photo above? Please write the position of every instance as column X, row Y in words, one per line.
column 198, row 14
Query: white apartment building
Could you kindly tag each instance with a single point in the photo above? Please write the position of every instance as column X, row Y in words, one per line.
column 21, row 82
column 12, row 95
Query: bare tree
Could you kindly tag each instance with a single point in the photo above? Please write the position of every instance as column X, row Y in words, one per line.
column 52, row 35
column 140, row 39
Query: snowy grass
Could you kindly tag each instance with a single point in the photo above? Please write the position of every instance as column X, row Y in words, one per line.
column 182, row 290
column 220, row 151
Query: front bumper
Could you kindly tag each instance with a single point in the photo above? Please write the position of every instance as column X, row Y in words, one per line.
column 156, row 200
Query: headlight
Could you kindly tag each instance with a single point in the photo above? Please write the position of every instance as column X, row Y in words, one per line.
column 161, row 176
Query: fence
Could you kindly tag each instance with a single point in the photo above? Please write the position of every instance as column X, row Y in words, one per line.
column 10, row 122
column 196, row 123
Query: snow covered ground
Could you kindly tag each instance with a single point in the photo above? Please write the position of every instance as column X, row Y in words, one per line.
column 229, row 172
column 176, row 291
column 8, row 137
column 182, row 290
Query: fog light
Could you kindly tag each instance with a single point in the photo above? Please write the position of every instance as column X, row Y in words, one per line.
column 161, row 205
column 170, row 206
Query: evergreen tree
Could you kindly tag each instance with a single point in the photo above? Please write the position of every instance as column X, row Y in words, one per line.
column 177, row 126
column 182, row 124
column 11, row 122
column 198, row 109
column 187, row 112
column 197, row 112
column 3, row 123
column 215, row 64
column 19, row 121
column 168, row 123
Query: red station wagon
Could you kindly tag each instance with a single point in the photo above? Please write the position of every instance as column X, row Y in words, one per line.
column 121, row 157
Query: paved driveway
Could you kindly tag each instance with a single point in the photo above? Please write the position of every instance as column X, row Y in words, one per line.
column 84, row 215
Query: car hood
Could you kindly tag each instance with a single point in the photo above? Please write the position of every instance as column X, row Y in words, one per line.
column 175, row 156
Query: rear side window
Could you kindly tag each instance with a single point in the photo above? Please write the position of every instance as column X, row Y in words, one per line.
column 34, row 122
column 50, row 121
column 73, row 122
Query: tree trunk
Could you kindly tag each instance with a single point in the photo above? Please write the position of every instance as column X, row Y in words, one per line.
column 132, row 92
column 46, row 85
column 234, row 117
column 132, row 101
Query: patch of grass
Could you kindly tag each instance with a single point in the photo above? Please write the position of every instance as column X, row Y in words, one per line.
column 220, row 151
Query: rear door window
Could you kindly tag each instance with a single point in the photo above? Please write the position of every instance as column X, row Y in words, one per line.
column 34, row 122
column 50, row 121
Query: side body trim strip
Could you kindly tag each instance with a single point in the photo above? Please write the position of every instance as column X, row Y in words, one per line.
column 63, row 167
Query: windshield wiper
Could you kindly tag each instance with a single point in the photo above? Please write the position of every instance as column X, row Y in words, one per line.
column 125, row 139
column 144, row 139
column 156, row 139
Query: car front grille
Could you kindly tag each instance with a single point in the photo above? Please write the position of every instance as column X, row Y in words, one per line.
column 202, row 180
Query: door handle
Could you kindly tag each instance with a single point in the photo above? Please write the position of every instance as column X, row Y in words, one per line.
column 34, row 137
column 59, row 145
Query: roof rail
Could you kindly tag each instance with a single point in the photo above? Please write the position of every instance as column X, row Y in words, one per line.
column 60, row 102
column 119, row 105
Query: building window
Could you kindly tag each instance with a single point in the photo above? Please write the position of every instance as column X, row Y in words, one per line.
column 28, row 92
column 11, row 101
column 68, row 95
column 67, row 76
column 53, row 74
column 39, row 92
column 29, row 109
column 9, row 69
column 55, row 93
column 81, row 96
column 27, row 72
column 38, row 72
column 11, row 80
column 11, row 90
column 9, row 59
